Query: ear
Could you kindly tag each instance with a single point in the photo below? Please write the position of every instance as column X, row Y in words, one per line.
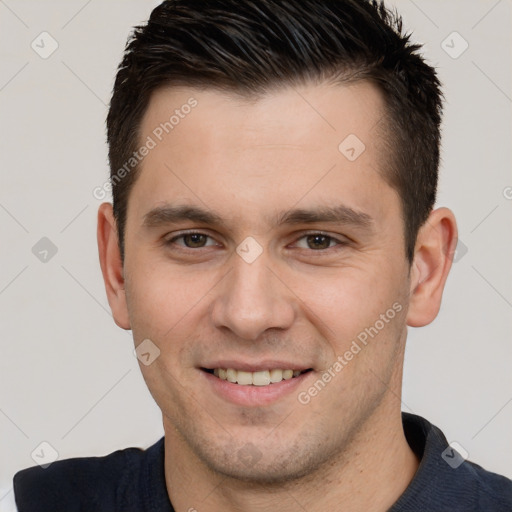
column 111, row 265
column 433, row 255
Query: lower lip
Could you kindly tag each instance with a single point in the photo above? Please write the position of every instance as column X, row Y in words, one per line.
column 251, row 395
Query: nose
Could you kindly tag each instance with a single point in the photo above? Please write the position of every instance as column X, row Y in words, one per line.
column 252, row 299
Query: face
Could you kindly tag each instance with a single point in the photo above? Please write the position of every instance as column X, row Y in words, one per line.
column 256, row 242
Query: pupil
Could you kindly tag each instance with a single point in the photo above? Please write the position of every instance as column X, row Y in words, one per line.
column 316, row 240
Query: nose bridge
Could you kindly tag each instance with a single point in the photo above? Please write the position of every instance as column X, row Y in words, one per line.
column 252, row 299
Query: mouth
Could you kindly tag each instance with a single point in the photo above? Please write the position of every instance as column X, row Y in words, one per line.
column 258, row 378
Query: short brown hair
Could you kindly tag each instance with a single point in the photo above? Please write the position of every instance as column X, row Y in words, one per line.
column 252, row 46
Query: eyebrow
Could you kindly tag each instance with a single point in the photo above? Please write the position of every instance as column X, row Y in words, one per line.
column 341, row 214
column 172, row 214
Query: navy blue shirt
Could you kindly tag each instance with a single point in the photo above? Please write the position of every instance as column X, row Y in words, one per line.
column 133, row 480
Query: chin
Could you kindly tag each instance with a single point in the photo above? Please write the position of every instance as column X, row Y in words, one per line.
column 267, row 475
column 263, row 465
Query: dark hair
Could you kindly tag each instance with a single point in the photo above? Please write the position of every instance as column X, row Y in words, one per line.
column 252, row 46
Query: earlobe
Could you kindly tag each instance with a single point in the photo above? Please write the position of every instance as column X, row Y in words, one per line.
column 111, row 265
column 434, row 251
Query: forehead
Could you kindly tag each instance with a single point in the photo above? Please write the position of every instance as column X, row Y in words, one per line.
column 308, row 112
column 294, row 144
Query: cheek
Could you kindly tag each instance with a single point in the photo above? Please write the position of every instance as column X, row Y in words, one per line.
column 346, row 301
column 162, row 300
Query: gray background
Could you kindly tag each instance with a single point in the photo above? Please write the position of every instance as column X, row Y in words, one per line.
column 68, row 374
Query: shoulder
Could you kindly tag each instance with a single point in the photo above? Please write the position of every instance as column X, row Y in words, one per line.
column 87, row 483
column 445, row 481
column 492, row 491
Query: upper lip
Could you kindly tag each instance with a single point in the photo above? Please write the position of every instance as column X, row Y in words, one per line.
column 255, row 366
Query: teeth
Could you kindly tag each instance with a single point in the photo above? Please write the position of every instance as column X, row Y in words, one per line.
column 276, row 375
column 261, row 378
column 244, row 378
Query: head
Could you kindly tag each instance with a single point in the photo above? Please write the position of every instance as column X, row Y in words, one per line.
column 304, row 155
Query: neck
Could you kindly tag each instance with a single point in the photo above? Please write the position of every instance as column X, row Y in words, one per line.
column 369, row 474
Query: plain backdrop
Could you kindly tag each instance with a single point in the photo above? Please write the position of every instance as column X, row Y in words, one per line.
column 68, row 374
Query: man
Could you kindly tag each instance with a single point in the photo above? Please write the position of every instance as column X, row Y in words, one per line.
column 272, row 235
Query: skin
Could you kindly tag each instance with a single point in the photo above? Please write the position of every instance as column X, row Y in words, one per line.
column 246, row 160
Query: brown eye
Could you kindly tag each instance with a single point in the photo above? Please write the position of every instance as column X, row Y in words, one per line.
column 191, row 240
column 319, row 241
column 194, row 240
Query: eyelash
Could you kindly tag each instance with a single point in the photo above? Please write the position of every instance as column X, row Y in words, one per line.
column 339, row 243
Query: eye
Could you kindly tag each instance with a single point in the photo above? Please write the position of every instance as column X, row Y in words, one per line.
column 317, row 242
column 320, row 242
column 191, row 240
